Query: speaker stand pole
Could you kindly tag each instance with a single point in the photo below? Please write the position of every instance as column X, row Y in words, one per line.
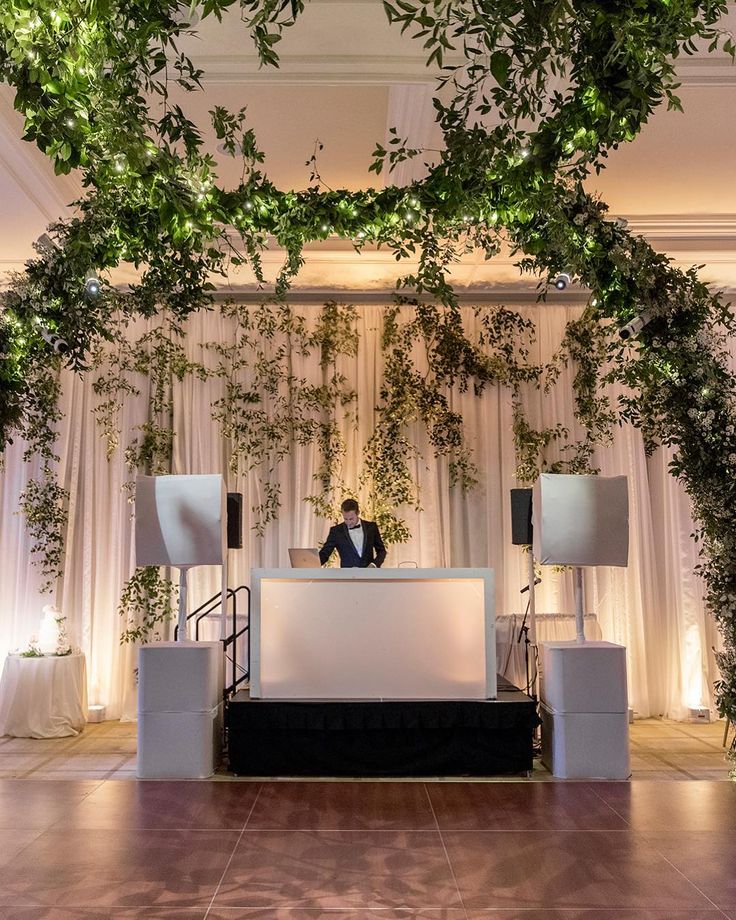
column 182, row 624
column 532, row 605
column 579, row 605
column 223, row 597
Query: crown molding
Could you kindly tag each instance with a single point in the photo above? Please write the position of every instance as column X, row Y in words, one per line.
column 706, row 70
column 700, row 70
column 380, row 296
column 677, row 232
column 314, row 69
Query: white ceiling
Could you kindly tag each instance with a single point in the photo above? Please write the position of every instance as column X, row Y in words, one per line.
column 345, row 78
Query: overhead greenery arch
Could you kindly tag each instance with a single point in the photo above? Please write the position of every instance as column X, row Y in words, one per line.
column 540, row 92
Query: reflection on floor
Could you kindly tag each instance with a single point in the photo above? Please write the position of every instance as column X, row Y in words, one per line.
column 81, row 846
column 659, row 750
column 94, row 849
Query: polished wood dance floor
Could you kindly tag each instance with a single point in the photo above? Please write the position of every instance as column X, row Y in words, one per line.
column 90, row 848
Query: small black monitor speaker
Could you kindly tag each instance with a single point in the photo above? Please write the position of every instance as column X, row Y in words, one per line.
column 234, row 520
column 521, row 517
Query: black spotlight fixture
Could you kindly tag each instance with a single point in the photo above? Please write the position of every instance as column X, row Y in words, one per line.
column 562, row 281
column 635, row 326
column 92, row 284
column 60, row 346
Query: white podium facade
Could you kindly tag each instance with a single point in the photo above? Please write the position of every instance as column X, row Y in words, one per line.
column 180, row 709
column 373, row 634
column 584, row 711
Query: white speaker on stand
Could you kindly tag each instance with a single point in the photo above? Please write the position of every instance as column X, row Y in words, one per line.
column 583, row 521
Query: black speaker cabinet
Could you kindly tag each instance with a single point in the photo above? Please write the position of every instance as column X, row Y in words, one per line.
column 521, row 517
column 234, row 520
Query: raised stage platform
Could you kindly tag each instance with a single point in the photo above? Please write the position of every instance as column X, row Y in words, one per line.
column 382, row 737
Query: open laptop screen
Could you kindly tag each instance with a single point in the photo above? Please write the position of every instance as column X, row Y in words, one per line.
column 304, row 558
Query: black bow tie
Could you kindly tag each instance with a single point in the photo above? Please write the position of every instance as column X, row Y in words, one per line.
column 356, row 527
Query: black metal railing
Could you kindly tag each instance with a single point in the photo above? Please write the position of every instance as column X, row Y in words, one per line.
column 212, row 606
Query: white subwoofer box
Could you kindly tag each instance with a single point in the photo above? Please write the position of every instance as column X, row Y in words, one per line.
column 585, row 718
column 179, row 709
column 179, row 745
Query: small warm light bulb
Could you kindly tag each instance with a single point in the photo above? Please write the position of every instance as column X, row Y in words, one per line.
column 413, row 202
column 119, row 165
column 361, row 234
column 70, row 122
column 248, row 205
column 324, row 228
column 524, row 152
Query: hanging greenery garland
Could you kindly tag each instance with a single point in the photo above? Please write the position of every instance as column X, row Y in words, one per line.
column 570, row 81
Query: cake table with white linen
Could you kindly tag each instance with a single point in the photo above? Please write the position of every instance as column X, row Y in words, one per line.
column 43, row 697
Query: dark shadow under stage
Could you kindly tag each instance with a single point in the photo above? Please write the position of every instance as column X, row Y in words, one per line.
column 382, row 737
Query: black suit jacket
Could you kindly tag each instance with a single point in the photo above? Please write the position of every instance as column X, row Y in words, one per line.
column 339, row 539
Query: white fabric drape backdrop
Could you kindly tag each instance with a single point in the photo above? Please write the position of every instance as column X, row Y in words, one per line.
column 654, row 606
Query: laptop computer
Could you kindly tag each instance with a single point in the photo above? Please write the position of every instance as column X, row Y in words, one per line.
column 304, row 558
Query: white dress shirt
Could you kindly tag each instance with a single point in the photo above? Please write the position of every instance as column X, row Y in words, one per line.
column 357, row 536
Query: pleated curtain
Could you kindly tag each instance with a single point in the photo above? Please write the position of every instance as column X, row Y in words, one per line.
column 654, row 607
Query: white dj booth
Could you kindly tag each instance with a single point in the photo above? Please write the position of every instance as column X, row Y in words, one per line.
column 351, row 634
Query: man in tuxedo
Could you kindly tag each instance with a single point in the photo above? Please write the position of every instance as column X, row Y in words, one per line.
column 357, row 542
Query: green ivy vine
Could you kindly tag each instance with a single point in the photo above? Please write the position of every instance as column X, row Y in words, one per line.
column 569, row 82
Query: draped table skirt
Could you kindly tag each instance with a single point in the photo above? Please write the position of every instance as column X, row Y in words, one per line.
column 43, row 697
